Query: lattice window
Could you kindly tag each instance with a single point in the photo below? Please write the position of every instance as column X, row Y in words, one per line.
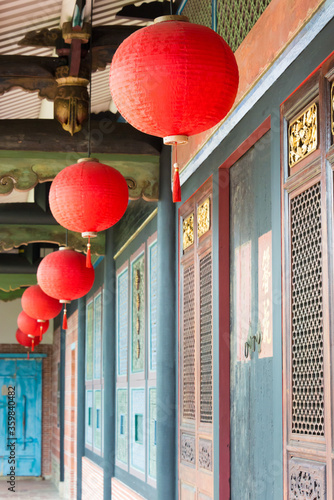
column 199, row 12
column 206, row 337
column 236, row 19
column 189, row 344
column 307, row 321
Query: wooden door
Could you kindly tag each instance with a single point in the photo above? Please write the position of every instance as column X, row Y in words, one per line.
column 21, row 383
column 307, row 153
column 195, row 348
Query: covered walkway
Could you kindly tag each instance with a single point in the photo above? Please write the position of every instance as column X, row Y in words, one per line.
column 36, row 489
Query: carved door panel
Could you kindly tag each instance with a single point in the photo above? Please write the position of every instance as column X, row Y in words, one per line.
column 195, row 348
column 307, row 154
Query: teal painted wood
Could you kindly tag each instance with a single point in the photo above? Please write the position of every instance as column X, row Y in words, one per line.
column 24, row 356
column 26, row 377
column 252, row 455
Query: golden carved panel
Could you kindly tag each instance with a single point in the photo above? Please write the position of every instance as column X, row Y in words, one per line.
column 188, row 231
column 332, row 108
column 203, row 217
column 303, row 135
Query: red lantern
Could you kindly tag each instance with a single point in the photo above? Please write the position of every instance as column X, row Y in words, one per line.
column 174, row 79
column 39, row 306
column 30, row 326
column 26, row 340
column 88, row 197
column 63, row 275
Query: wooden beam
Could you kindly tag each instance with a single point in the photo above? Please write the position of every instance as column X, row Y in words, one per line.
column 107, row 136
column 31, row 73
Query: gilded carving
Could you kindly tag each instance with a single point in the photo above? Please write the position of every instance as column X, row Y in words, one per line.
column 138, row 325
column 138, row 301
column 188, row 231
column 138, row 349
column 137, row 279
column 71, row 103
column 203, row 217
column 332, row 108
column 303, row 135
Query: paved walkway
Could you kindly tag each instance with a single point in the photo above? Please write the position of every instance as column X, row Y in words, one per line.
column 25, row 489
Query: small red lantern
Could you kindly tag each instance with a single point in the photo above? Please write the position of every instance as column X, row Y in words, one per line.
column 39, row 305
column 63, row 275
column 30, row 326
column 26, row 340
column 88, row 197
column 174, row 79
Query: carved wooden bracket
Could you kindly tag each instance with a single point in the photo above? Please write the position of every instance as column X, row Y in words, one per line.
column 13, row 236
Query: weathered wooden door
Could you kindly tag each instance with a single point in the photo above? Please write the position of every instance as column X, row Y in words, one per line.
column 195, row 348
column 22, row 379
column 307, row 153
column 251, row 347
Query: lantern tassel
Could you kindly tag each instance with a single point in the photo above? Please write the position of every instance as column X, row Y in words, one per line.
column 40, row 332
column 88, row 256
column 176, row 184
column 28, row 355
column 32, row 345
column 65, row 318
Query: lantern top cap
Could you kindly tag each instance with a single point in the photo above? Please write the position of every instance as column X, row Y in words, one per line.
column 81, row 160
column 65, row 248
column 162, row 19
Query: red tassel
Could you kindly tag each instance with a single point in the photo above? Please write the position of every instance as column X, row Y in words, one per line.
column 88, row 257
column 176, row 184
column 65, row 319
column 32, row 345
column 40, row 332
column 28, row 355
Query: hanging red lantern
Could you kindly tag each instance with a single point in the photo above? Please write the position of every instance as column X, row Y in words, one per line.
column 88, row 197
column 39, row 305
column 30, row 326
column 174, row 79
column 26, row 340
column 63, row 275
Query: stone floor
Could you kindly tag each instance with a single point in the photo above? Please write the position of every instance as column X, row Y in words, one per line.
column 25, row 489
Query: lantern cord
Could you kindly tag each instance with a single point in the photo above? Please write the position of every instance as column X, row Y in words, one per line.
column 90, row 79
column 40, row 332
column 65, row 318
column 32, row 345
column 66, row 238
column 171, row 7
column 88, row 256
column 176, row 180
column 28, row 355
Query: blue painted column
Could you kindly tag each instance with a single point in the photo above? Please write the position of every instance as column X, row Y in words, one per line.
column 109, row 364
column 81, row 391
column 166, row 338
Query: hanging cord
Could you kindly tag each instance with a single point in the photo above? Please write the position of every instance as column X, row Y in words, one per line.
column 171, row 7
column 90, row 80
column 66, row 238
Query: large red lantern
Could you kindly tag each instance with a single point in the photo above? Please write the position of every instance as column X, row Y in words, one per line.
column 88, row 197
column 174, row 79
column 39, row 305
column 26, row 340
column 63, row 275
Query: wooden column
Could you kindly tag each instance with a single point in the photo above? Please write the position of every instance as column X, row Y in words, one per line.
column 109, row 364
column 81, row 391
column 166, row 339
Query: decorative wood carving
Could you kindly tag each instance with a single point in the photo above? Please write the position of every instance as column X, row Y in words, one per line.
column 205, row 454
column 188, row 231
column 206, row 406
column 307, row 480
column 32, row 73
column 303, row 135
column 188, row 351
column 188, row 449
column 332, row 108
column 13, row 236
column 203, row 218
